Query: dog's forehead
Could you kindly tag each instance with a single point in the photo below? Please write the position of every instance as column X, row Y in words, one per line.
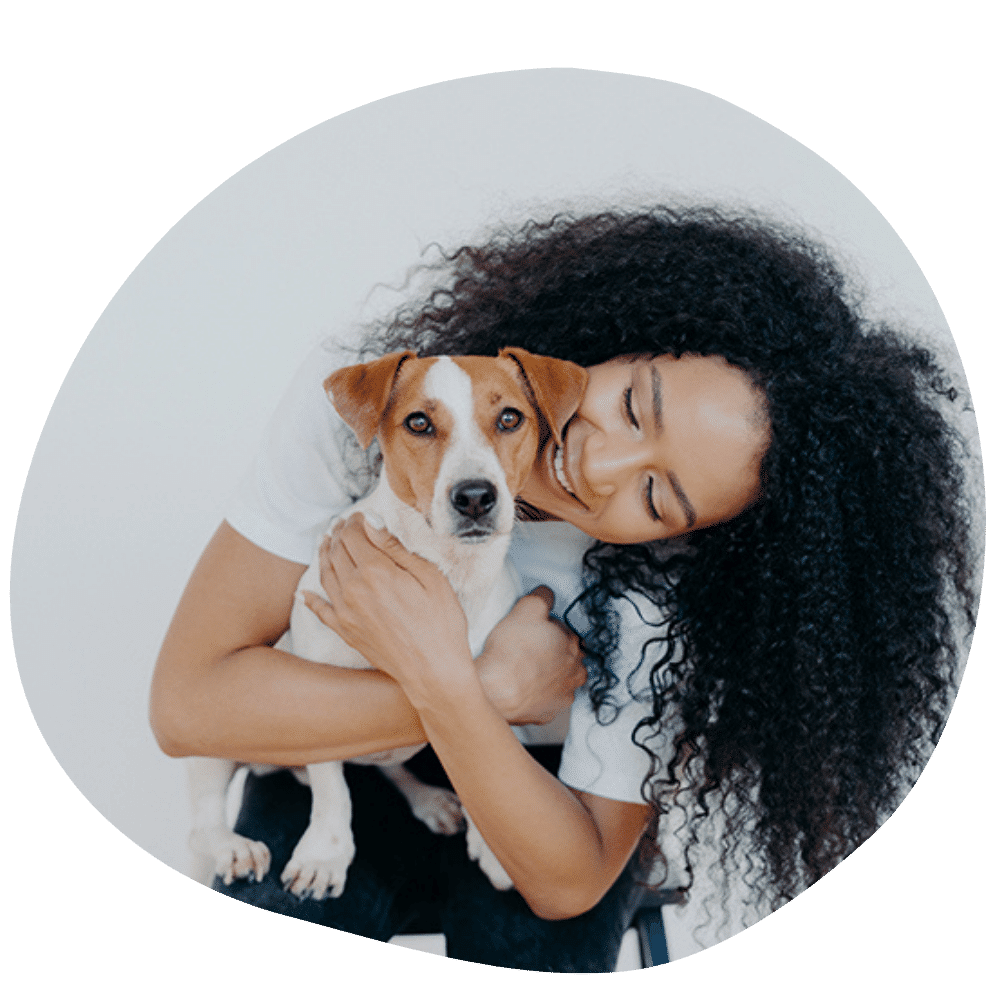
column 447, row 381
column 464, row 381
column 501, row 373
column 414, row 379
column 443, row 377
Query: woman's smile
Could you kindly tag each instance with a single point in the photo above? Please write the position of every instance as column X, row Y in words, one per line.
column 560, row 473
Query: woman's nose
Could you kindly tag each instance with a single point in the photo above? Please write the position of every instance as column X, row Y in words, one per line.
column 605, row 461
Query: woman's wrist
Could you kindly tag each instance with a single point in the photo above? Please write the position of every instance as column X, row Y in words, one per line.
column 457, row 712
column 496, row 686
column 445, row 682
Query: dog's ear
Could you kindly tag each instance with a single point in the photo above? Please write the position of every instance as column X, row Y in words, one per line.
column 360, row 393
column 557, row 386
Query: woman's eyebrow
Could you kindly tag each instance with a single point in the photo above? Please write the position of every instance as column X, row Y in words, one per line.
column 690, row 514
column 657, row 396
column 656, row 384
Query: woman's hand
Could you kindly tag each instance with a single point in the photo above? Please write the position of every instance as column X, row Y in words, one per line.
column 401, row 614
column 395, row 608
column 531, row 664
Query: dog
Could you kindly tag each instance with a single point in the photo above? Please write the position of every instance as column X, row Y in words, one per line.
column 458, row 437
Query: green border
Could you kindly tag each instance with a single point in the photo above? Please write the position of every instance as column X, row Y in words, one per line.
column 120, row 117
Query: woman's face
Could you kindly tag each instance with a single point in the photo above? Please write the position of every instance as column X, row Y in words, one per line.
column 659, row 446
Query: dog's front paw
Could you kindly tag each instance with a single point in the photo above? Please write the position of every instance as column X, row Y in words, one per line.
column 318, row 865
column 479, row 851
column 235, row 857
column 438, row 808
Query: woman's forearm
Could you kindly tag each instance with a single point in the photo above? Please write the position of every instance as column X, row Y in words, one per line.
column 262, row 705
column 561, row 849
column 220, row 690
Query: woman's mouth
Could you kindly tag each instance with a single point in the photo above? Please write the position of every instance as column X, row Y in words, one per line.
column 560, row 472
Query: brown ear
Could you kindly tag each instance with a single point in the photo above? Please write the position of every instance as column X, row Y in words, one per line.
column 557, row 385
column 361, row 393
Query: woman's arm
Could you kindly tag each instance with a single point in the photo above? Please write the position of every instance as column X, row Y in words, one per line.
column 220, row 690
column 563, row 849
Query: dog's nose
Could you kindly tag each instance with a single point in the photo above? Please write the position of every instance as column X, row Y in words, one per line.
column 473, row 498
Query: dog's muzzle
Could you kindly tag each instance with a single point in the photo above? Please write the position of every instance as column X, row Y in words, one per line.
column 473, row 500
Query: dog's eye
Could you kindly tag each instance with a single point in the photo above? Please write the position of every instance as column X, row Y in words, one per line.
column 418, row 423
column 509, row 420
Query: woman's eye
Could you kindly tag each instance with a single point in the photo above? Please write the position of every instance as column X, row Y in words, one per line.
column 650, row 506
column 509, row 420
column 418, row 423
column 630, row 413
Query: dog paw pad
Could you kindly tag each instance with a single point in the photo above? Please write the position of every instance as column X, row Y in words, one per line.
column 440, row 810
column 318, row 877
column 250, row 860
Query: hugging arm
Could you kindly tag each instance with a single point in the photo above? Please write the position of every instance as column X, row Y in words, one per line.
column 220, row 690
column 563, row 849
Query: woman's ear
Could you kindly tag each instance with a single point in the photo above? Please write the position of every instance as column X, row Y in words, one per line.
column 557, row 386
column 360, row 393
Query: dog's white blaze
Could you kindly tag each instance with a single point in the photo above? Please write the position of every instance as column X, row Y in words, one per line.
column 448, row 383
column 469, row 455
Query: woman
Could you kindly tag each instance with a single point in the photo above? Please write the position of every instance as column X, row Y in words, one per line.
column 780, row 676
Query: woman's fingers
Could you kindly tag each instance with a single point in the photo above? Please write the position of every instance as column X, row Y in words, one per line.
column 350, row 563
column 532, row 664
column 321, row 608
column 376, row 548
column 379, row 552
column 380, row 598
column 360, row 564
column 545, row 595
column 322, row 605
column 340, row 563
column 332, row 543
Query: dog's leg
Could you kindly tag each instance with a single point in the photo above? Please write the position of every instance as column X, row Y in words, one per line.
column 480, row 852
column 232, row 856
column 319, row 863
column 438, row 808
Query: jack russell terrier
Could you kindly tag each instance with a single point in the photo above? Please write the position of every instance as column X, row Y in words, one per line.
column 458, row 438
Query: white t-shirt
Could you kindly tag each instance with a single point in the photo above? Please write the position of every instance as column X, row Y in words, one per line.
column 302, row 478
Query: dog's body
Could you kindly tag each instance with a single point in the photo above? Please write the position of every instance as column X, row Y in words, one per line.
column 458, row 438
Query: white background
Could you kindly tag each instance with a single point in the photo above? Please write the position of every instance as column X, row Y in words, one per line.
column 165, row 404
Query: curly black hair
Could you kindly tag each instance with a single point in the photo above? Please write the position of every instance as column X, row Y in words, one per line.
column 811, row 646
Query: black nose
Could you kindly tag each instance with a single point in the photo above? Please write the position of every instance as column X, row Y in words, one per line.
column 474, row 498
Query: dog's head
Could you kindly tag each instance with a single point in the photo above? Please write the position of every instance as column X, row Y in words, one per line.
column 458, row 435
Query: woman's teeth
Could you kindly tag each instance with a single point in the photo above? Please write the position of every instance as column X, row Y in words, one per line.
column 557, row 464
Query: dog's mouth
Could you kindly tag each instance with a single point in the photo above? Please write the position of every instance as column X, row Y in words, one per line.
column 474, row 535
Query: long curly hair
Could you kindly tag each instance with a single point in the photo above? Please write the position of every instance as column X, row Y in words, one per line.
column 810, row 647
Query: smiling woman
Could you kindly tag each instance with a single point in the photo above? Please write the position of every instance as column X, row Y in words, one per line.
column 807, row 639
column 659, row 447
column 776, row 677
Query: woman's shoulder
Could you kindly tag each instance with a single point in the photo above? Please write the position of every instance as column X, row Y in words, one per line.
column 308, row 467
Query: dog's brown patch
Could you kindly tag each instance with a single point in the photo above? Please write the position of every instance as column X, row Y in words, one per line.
column 412, row 460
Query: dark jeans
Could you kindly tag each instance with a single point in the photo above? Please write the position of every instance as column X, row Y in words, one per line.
column 403, row 876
